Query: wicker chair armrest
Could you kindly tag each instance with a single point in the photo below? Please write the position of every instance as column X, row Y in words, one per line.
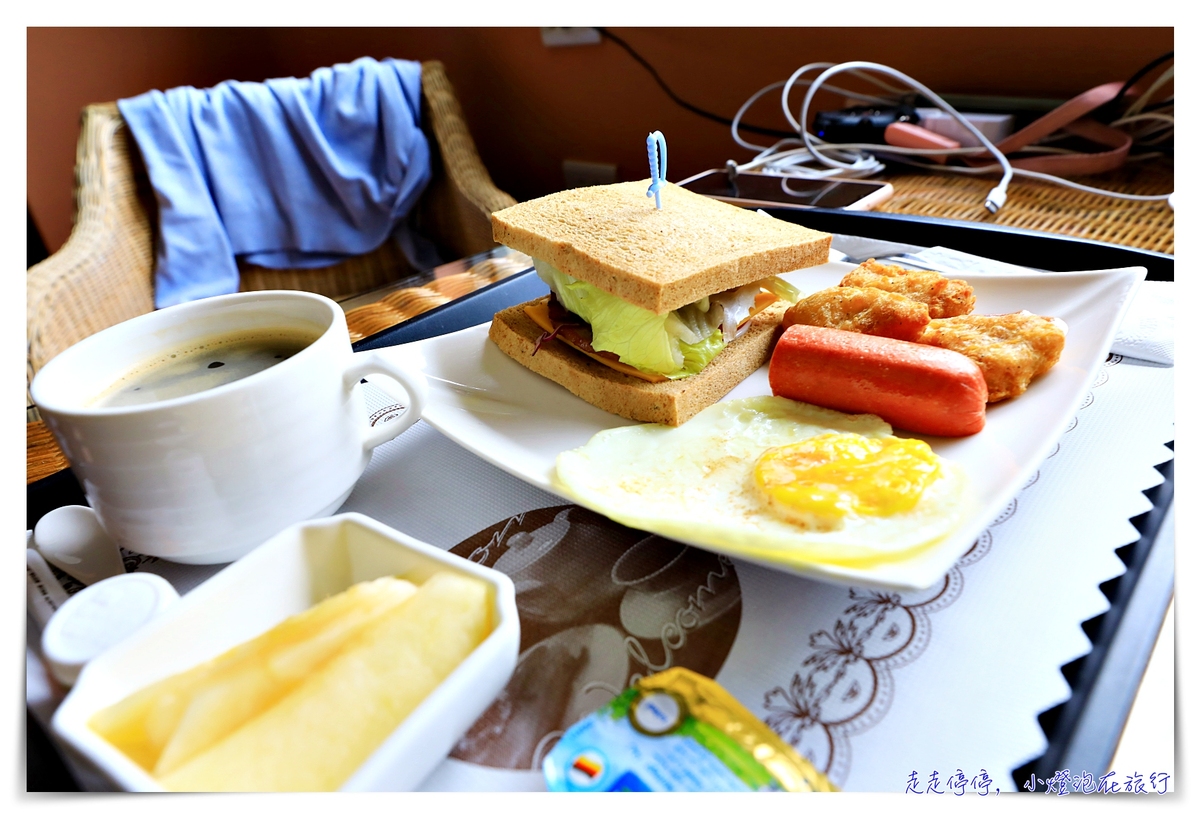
column 103, row 274
column 459, row 156
column 458, row 206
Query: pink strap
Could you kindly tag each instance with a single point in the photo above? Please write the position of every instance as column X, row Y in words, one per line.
column 1071, row 116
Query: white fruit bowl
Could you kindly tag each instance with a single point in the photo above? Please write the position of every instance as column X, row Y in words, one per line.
column 286, row 575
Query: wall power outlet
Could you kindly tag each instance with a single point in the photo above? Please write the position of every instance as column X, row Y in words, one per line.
column 559, row 36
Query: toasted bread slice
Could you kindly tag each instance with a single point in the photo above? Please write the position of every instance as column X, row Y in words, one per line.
column 612, row 237
column 670, row 403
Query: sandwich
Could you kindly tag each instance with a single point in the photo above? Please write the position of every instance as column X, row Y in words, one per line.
column 653, row 314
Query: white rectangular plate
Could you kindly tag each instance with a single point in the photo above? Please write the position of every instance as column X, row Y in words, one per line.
column 520, row 421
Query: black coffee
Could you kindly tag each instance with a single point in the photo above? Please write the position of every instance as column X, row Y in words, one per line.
column 204, row 364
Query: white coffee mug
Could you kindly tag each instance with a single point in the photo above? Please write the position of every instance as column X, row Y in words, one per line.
column 206, row 477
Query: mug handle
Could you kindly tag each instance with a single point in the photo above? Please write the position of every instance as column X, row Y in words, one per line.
column 371, row 363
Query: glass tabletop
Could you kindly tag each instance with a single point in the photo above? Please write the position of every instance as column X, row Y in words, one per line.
column 383, row 308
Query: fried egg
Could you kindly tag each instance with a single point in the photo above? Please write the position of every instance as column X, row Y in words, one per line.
column 774, row 479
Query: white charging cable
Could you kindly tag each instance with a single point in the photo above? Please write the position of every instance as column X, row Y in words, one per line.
column 995, row 198
column 857, row 160
column 779, row 159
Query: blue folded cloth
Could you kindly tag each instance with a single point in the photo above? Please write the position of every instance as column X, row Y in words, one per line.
column 284, row 173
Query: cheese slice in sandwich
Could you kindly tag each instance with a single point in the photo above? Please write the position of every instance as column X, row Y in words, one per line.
column 655, row 295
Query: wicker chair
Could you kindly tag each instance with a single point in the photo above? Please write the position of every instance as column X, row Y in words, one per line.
column 104, row 274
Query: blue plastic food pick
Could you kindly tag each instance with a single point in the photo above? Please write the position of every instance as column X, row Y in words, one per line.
column 656, row 152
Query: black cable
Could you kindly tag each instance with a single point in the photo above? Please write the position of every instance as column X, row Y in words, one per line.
column 1109, row 110
column 1106, row 112
column 758, row 129
column 1158, row 106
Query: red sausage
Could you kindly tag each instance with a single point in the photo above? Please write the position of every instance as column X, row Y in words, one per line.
column 920, row 388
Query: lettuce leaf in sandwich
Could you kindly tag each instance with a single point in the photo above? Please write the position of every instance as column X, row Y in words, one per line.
column 675, row 344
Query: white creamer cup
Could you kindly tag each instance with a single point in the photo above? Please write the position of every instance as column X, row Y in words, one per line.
column 206, row 477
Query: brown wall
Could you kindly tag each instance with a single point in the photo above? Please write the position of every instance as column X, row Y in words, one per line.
column 529, row 107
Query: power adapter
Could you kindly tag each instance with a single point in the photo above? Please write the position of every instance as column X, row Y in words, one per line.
column 994, row 126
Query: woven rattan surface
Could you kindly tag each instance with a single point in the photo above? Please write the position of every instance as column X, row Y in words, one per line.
column 1050, row 208
column 354, row 275
column 102, row 275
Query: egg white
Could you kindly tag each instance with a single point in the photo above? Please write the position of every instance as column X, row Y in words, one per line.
column 695, row 483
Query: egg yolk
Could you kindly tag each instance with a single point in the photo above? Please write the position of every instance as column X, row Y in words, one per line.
column 819, row 481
